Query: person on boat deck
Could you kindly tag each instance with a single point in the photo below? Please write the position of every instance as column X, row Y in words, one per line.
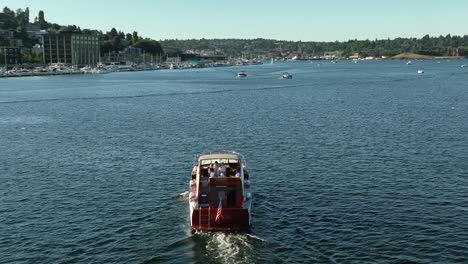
column 222, row 169
column 211, row 173
column 233, row 173
column 215, row 169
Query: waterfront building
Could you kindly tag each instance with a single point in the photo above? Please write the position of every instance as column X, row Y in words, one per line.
column 332, row 55
column 173, row 60
column 71, row 48
column 34, row 31
column 9, row 55
column 9, row 36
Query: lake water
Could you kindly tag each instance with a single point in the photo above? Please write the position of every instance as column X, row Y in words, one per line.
column 350, row 163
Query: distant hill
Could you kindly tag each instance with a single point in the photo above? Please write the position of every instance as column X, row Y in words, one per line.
column 411, row 56
column 401, row 48
column 414, row 56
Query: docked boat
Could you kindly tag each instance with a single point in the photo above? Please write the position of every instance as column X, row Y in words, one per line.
column 219, row 193
column 286, row 76
column 241, row 74
column 19, row 72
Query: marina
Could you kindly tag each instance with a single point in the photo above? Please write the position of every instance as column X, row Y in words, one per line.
column 63, row 69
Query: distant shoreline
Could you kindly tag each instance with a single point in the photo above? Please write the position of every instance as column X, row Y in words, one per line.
column 414, row 56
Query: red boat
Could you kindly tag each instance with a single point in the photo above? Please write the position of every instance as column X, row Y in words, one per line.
column 219, row 193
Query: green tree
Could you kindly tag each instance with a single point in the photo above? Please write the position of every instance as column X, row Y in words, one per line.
column 113, row 33
column 29, row 57
column 149, row 46
column 41, row 20
column 128, row 37
column 135, row 37
column 69, row 29
column 26, row 15
column 4, row 41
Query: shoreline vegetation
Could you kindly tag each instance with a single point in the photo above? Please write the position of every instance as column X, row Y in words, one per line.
column 20, row 46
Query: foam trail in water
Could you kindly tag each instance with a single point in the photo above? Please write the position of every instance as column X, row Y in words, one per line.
column 256, row 237
column 229, row 248
column 184, row 194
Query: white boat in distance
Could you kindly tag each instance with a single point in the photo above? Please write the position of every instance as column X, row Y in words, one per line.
column 286, row 76
column 241, row 74
column 420, row 71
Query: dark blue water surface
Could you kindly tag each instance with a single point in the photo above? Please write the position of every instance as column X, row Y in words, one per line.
column 350, row 163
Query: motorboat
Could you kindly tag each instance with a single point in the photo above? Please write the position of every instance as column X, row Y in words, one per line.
column 286, row 76
column 19, row 72
column 86, row 69
column 241, row 74
column 420, row 71
column 219, row 193
column 409, row 63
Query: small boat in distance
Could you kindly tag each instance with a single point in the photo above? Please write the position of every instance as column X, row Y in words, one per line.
column 420, row 71
column 463, row 65
column 286, row 76
column 219, row 193
column 241, row 74
column 409, row 63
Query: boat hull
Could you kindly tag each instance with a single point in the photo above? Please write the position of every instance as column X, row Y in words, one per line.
column 231, row 219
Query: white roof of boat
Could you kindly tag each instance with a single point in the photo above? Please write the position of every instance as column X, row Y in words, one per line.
column 219, row 156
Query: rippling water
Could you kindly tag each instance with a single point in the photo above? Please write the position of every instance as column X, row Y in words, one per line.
column 350, row 163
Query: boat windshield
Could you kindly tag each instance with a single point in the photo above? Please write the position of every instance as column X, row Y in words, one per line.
column 212, row 161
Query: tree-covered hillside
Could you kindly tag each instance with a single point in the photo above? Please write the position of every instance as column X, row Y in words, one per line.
column 112, row 41
column 436, row 46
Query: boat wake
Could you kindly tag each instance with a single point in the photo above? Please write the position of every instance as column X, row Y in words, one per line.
column 184, row 194
column 211, row 247
column 256, row 238
column 229, row 247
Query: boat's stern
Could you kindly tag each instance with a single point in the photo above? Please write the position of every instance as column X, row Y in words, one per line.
column 224, row 219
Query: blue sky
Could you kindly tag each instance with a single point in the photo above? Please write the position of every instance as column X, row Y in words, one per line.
column 305, row 20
